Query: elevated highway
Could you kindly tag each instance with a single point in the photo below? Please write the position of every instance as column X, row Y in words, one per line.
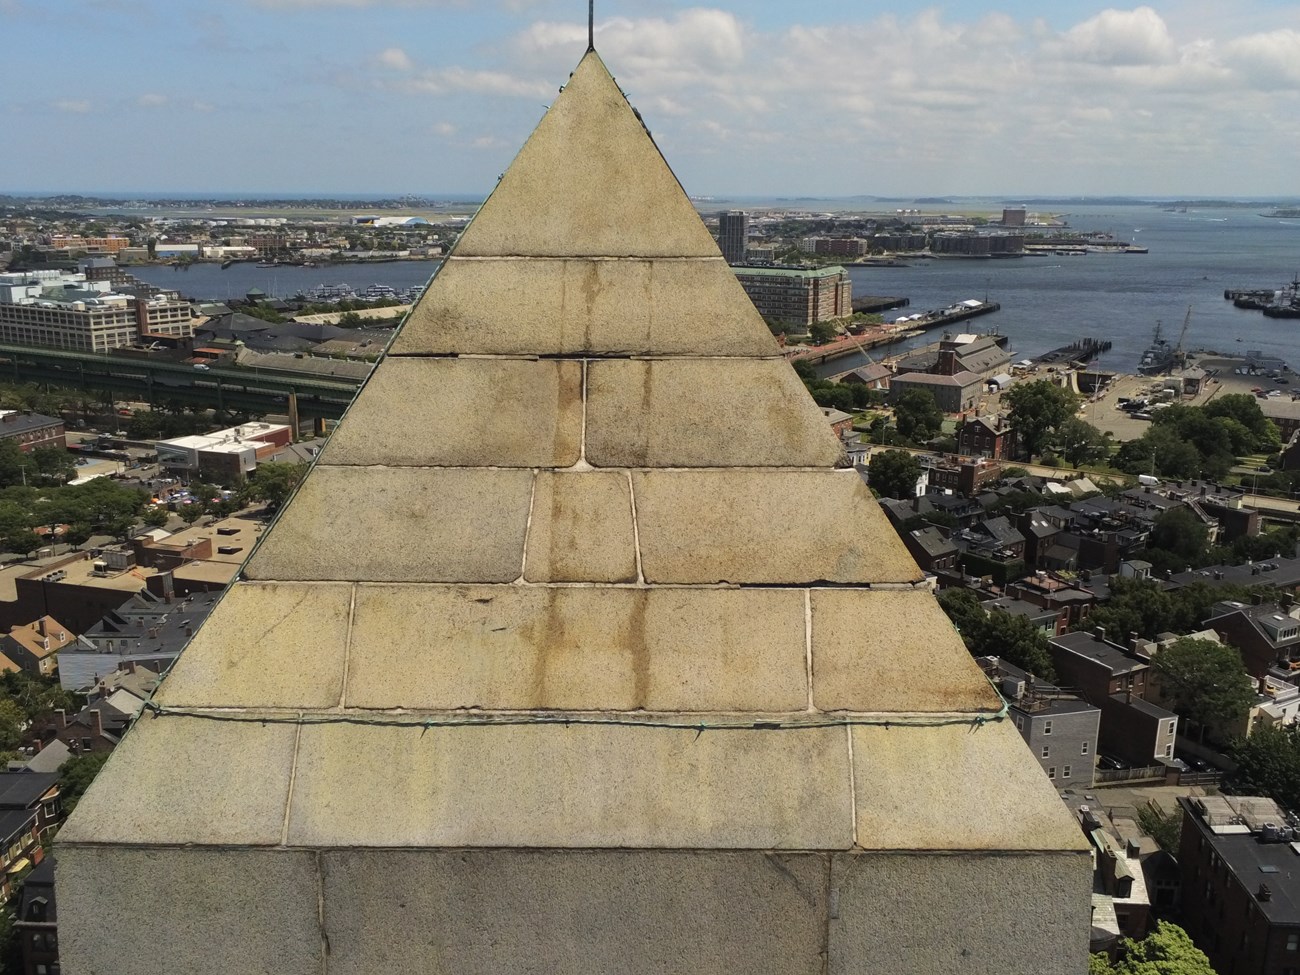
column 259, row 391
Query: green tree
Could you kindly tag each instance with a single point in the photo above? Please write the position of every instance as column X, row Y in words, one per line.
column 1014, row 639
column 75, row 776
column 12, row 722
column 78, row 533
column 1244, row 409
column 1268, row 764
column 1081, row 443
column 156, row 517
column 274, row 482
column 145, row 425
column 15, row 466
column 53, row 465
column 1204, row 682
column 1178, row 540
column 1166, row 828
column 1168, row 950
column 1036, row 409
column 917, row 415
column 893, row 474
column 821, row 332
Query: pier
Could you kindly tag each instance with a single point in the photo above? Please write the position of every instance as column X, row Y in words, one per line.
column 878, row 335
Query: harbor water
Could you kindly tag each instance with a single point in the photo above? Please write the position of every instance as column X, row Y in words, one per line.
column 1047, row 302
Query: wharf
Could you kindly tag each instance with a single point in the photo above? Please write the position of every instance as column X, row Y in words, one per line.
column 879, row 335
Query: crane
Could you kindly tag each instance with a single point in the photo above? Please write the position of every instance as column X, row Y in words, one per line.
column 1178, row 352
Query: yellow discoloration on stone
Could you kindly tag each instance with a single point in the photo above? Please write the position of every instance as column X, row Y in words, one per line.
column 575, row 307
column 472, row 413
column 574, row 787
column 581, row 529
column 990, row 795
column 512, row 648
column 277, row 645
column 398, row 524
column 765, row 527
column 687, row 413
column 891, row 651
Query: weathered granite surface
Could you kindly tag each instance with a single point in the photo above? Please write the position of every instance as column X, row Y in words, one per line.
column 577, row 653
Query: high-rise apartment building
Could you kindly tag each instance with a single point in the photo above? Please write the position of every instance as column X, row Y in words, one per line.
column 798, row 296
column 733, row 233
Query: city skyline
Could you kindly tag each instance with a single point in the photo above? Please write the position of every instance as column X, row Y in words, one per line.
column 319, row 97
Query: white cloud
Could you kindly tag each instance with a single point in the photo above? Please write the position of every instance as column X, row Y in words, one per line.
column 1266, row 59
column 1131, row 37
column 924, row 102
column 395, row 58
column 73, row 106
column 440, row 81
column 151, row 100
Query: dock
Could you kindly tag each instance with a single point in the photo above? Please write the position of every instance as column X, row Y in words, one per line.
column 878, row 335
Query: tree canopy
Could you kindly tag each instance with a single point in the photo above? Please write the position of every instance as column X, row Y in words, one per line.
column 1268, row 764
column 917, row 415
column 75, row 776
column 1168, row 950
column 1143, row 607
column 1200, row 441
column 1079, row 442
column 893, row 474
column 1037, row 409
column 274, row 482
column 1012, row 638
column 1179, row 540
column 1204, row 681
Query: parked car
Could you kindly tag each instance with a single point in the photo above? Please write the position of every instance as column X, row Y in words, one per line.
column 1111, row 762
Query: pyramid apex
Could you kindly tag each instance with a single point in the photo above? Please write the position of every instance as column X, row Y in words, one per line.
column 589, row 182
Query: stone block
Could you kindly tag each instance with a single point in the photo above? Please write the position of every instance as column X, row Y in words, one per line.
column 464, row 413
column 581, row 529
column 891, row 651
column 956, row 787
column 704, row 413
column 603, row 786
column 141, row 911
column 588, row 182
column 537, row 306
column 770, row 527
column 959, row 914
column 266, row 645
column 575, row 913
column 582, row 649
column 400, row 524
column 182, row 779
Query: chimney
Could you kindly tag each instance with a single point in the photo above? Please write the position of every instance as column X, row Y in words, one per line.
column 63, row 718
column 40, row 626
column 1263, row 894
column 1099, row 632
column 1263, row 685
column 98, row 717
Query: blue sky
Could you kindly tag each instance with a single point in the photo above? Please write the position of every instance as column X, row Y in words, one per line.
column 833, row 98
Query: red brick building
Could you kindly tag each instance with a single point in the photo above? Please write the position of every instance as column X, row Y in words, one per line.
column 31, row 430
